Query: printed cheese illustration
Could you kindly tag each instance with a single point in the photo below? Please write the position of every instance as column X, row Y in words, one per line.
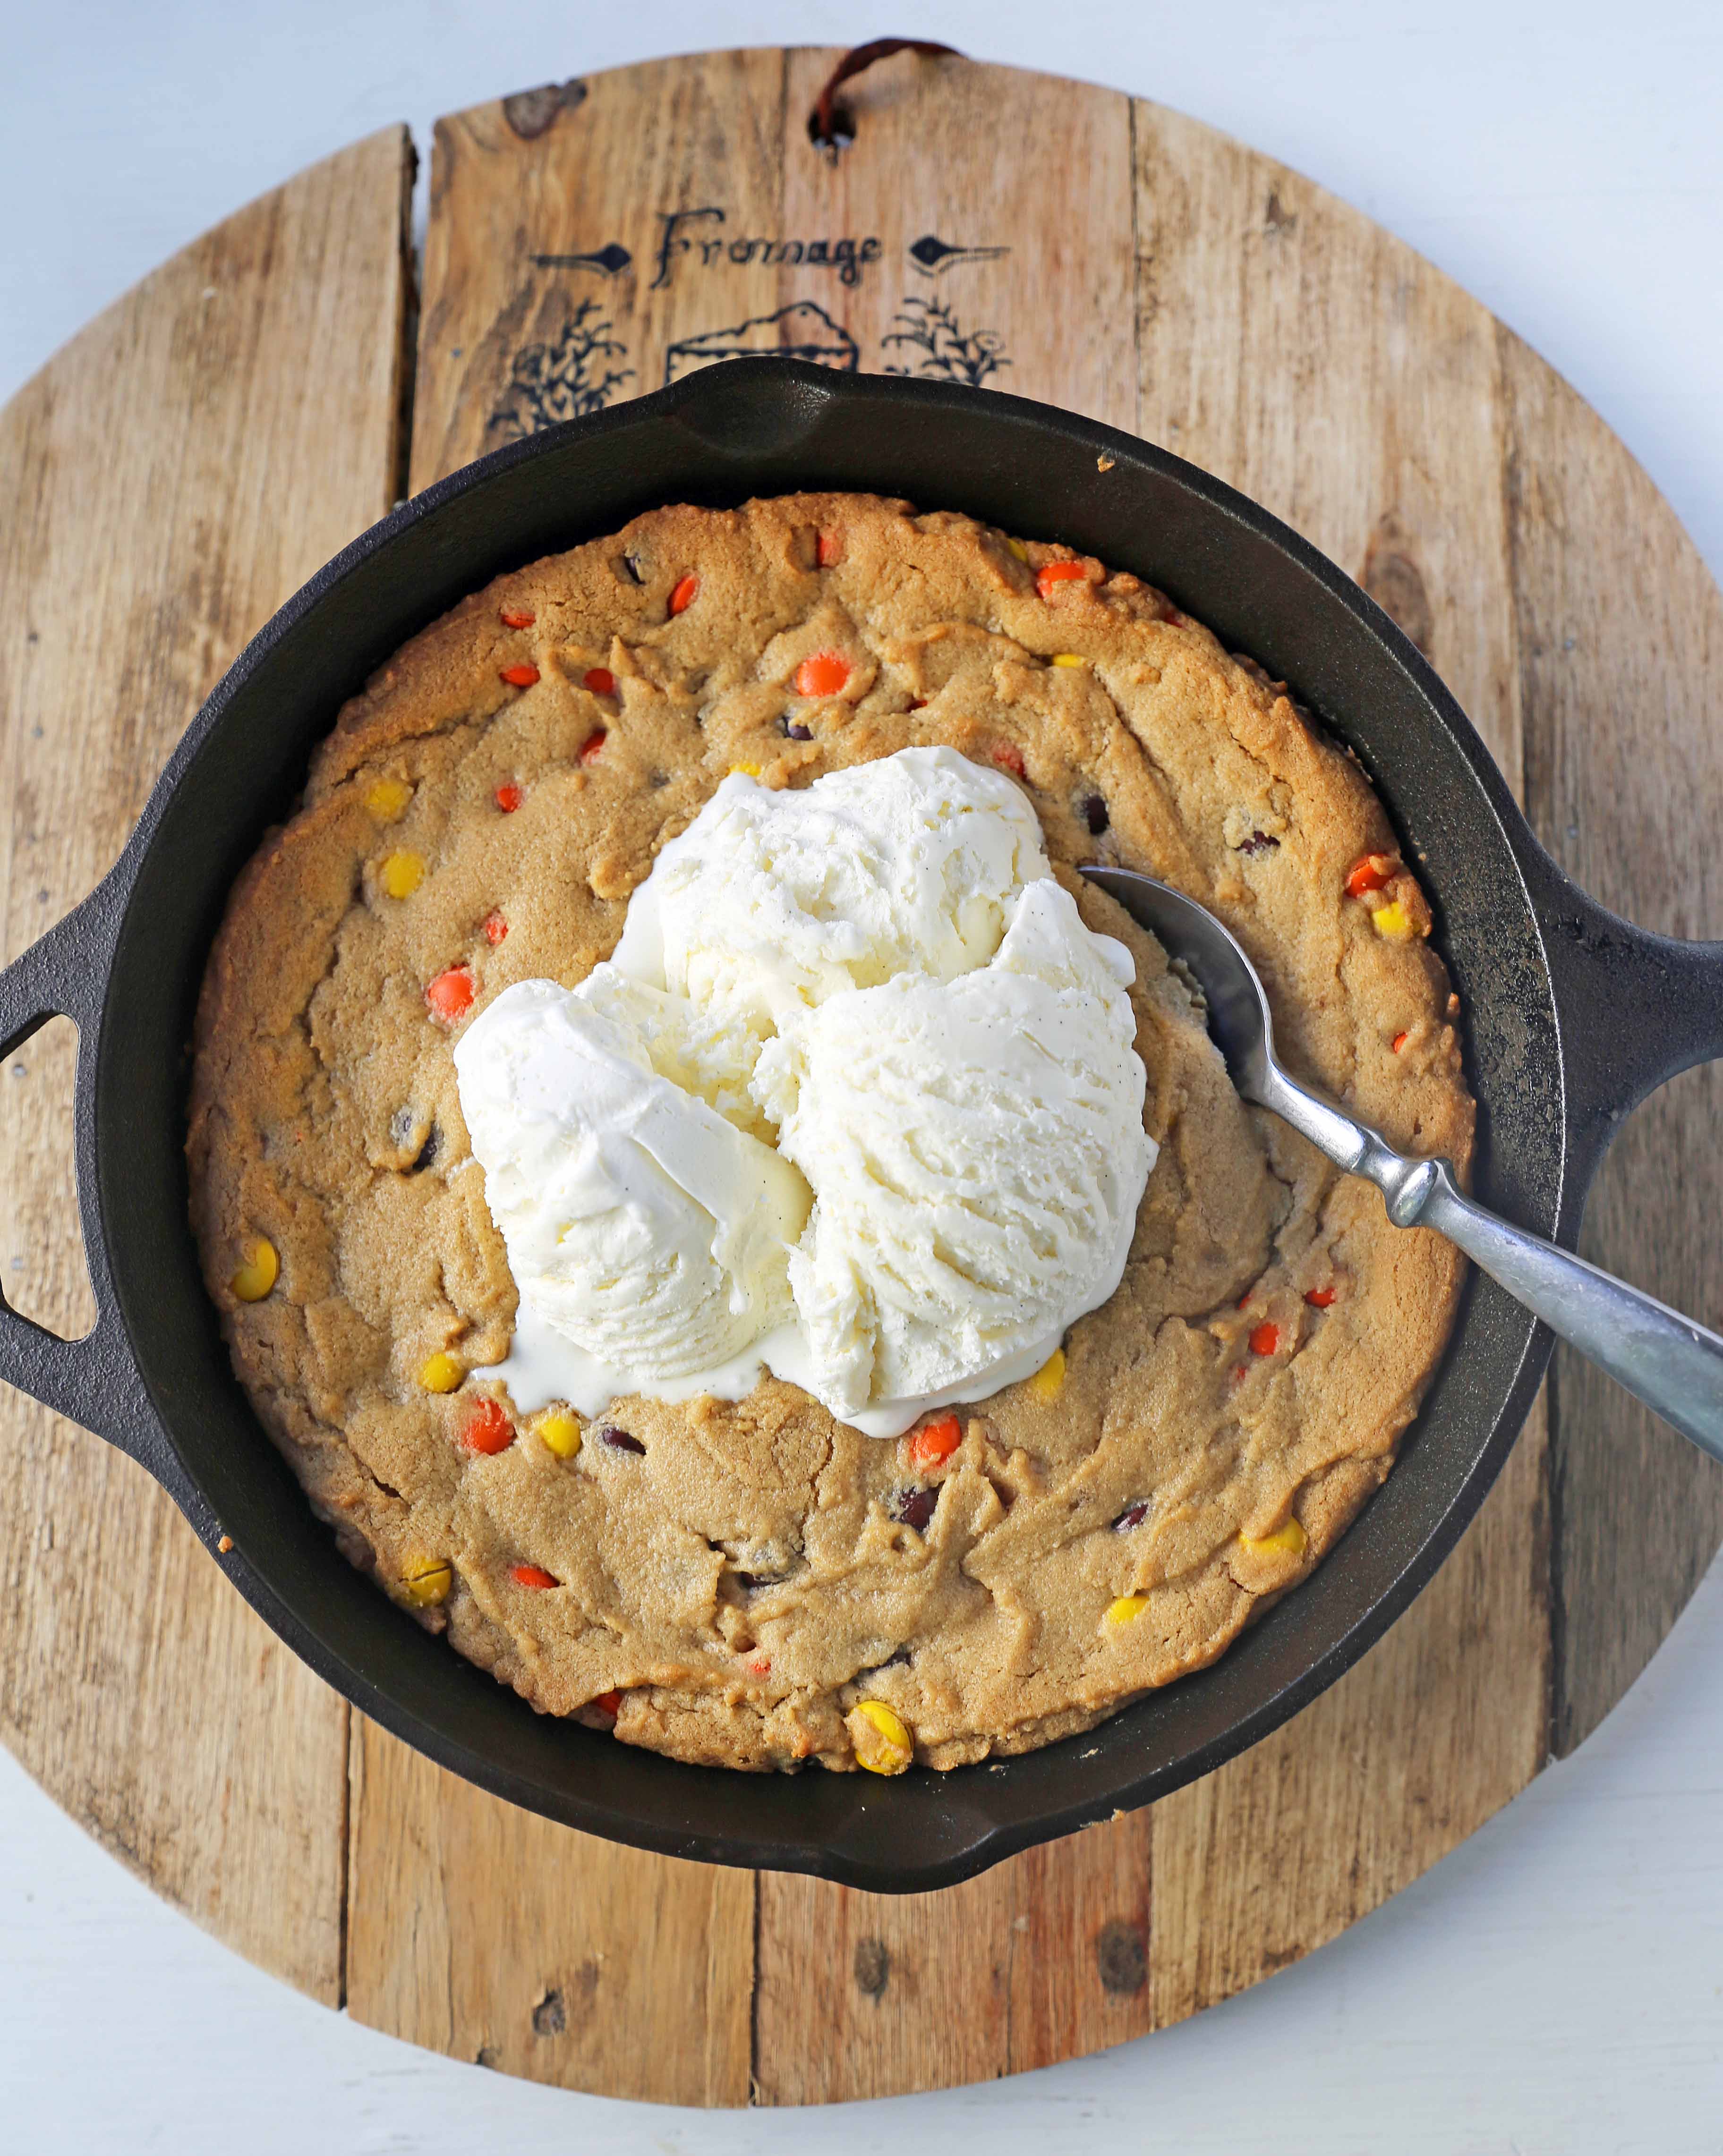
column 802, row 332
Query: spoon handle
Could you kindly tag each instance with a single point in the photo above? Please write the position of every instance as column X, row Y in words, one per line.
column 1664, row 1358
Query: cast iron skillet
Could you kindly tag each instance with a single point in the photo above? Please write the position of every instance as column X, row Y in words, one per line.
column 1572, row 1016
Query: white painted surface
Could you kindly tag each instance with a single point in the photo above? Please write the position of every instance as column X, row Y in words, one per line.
column 1556, row 1985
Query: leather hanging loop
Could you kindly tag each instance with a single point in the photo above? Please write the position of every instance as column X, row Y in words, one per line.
column 829, row 125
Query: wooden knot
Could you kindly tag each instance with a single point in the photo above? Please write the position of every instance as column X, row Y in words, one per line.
column 530, row 112
column 830, row 126
column 1121, row 1957
column 1392, row 578
column 872, row 1966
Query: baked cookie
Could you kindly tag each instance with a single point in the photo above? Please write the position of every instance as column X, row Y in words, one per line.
column 755, row 1584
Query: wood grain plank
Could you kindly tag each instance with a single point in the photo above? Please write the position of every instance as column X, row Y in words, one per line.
column 1045, row 1957
column 1621, row 643
column 1307, row 356
column 484, row 1931
column 1034, row 296
column 674, row 163
column 175, row 473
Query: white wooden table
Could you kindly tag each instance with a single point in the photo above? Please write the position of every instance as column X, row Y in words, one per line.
column 1555, row 1984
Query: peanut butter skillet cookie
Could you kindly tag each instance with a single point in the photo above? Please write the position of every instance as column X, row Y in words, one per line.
column 755, row 1583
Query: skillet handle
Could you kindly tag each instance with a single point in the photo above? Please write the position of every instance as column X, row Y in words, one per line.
column 94, row 1381
column 1635, row 1009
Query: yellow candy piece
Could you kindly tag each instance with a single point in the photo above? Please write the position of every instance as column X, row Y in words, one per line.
column 561, row 1433
column 440, row 1373
column 387, row 798
column 882, row 1744
column 258, row 1274
column 1017, row 547
column 1068, row 659
column 748, row 770
column 1392, row 920
column 1127, row 1606
column 1287, row 1540
column 1049, row 1380
column 430, row 1582
column 402, row 874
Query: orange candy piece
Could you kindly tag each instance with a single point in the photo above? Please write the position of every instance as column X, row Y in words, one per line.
column 532, row 1575
column 608, row 1702
column 488, row 1430
column 934, row 1442
column 593, row 746
column 682, row 597
column 522, row 676
column 1058, row 572
column 495, row 927
column 1009, row 758
column 599, row 679
column 829, row 548
column 1399, row 1041
column 1320, row 1298
column 449, row 997
column 1371, row 873
column 509, row 797
column 1265, row 1340
column 511, row 620
column 822, row 675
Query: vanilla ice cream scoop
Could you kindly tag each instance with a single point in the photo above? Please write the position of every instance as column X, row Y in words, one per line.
column 979, row 1153
column 858, row 1099
column 641, row 1226
column 771, row 902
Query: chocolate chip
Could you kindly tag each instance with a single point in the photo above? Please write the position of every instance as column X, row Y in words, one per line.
column 914, row 1508
column 403, row 1128
column 632, row 570
column 1094, row 815
column 1258, row 842
column 550, row 2017
column 1133, row 1516
column 795, row 730
column 619, row 1440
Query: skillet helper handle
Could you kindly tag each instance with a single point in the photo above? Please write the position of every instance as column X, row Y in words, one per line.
column 1636, row 1009
column 1663, row 1358
column 93, row 1380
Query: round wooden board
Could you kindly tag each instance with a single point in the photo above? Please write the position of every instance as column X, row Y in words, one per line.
column 180, row 467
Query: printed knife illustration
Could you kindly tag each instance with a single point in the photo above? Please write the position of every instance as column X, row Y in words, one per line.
column 608, row 259
column 931, row 255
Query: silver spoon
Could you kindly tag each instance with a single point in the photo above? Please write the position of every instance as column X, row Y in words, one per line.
column 1674, row 1365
